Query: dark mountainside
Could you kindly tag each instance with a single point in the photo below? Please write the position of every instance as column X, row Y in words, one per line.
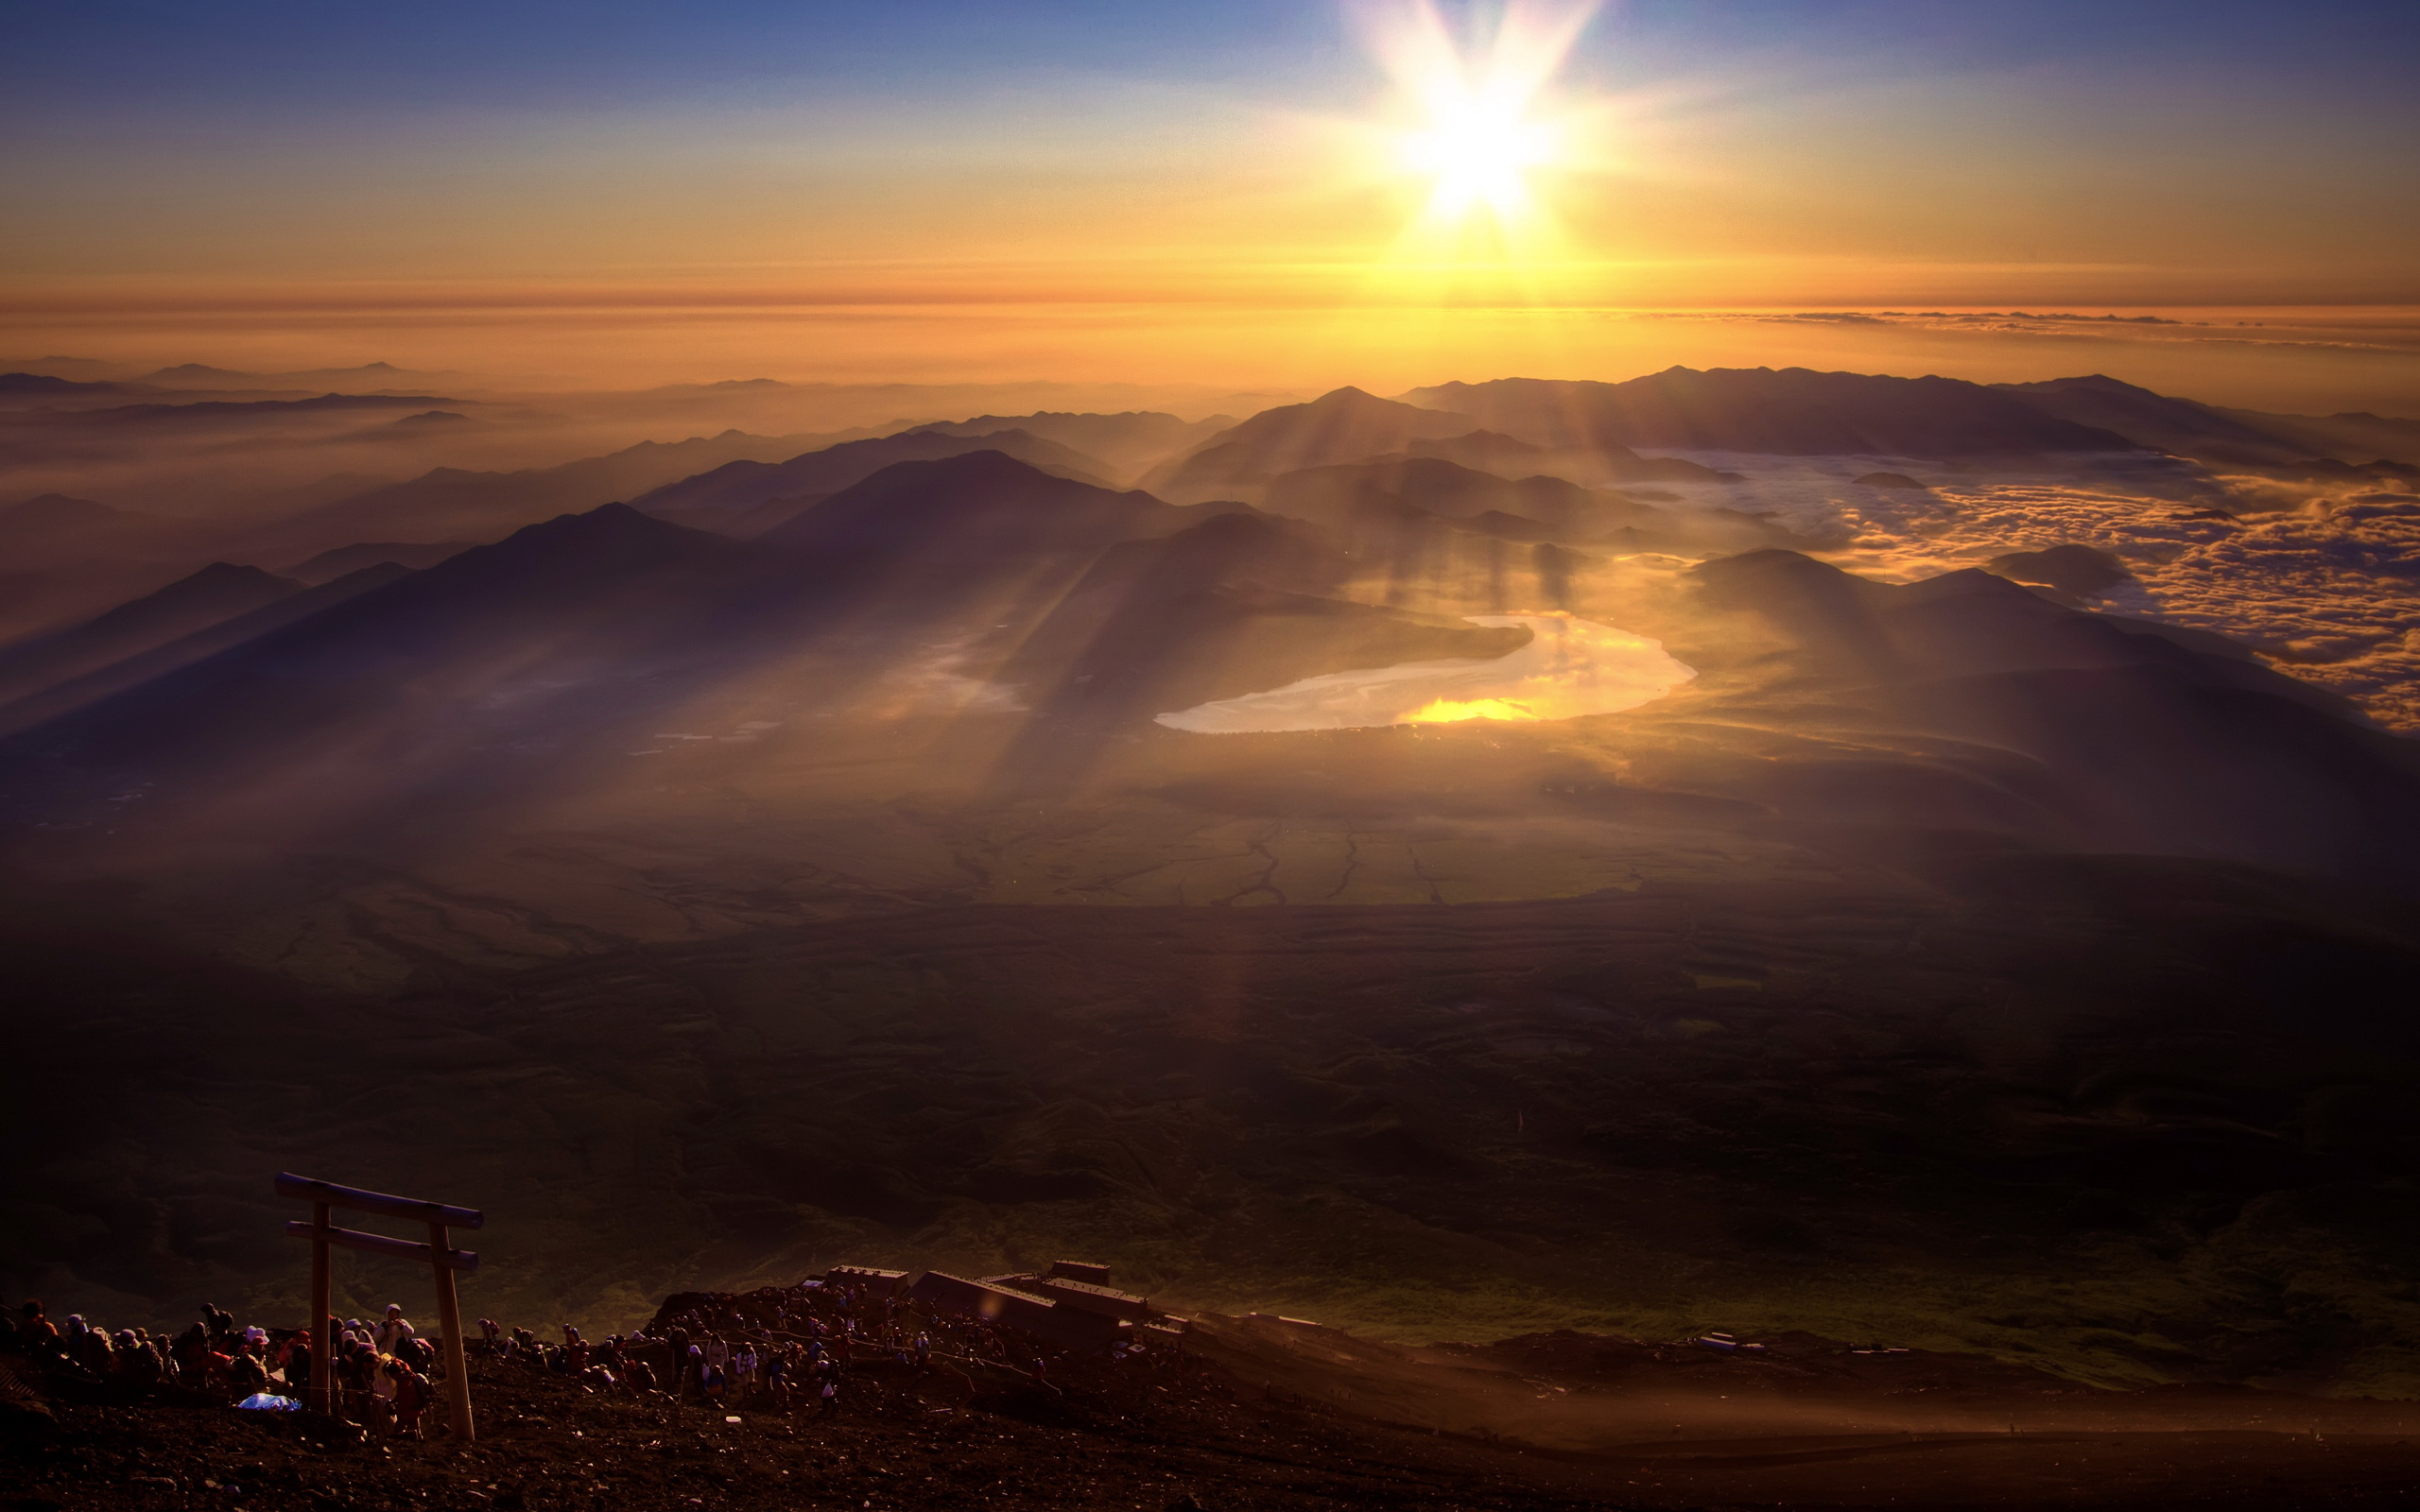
column 426, row 669
column 52, row 695
column 220, row 591
column 2143, row 739
column 1791, row 412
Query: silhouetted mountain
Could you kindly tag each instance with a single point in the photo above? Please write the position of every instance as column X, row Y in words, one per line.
column 1126, row 444
column 1791, row 411
column 2178, row 426
column 1488, row 450
column 2352, row 434
column 1347, row 425
column 220, row 591
column 63, row 698
column 330, row 565
column 553, row 629
column 982, row 506
column 54, row 521
column 1334, row 494
column 208, row 413
column 743, row 488
column 2138, row 737
column 2071, row 569
column 450, row 504
column 371, row 374
column 43, row 383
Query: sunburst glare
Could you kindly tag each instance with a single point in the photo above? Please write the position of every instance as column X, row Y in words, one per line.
column 1481, row 127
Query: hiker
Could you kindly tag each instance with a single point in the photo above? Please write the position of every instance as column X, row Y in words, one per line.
column 138, row 1369
column 394, row 1329
column 412, row 1397
column 246, row 1372
column 89, row 1347
column 218, row 1320
column 679, row 1339
column 381, row 1372
column 828, row 1397
column 38, row 1334
column 360, row 1366
column 295, row 1360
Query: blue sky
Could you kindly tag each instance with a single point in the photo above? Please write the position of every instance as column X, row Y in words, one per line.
column 109, row 56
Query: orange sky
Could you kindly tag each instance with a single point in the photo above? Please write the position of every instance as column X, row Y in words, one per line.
column 1142, row 223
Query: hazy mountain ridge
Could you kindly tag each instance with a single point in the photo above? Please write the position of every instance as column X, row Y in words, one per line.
column 220, row 591
column 451, row 503
column 1791, row 411
column 737, row 489
column 1127, row 444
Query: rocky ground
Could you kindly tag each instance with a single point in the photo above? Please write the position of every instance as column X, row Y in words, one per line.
column 1270, row 1414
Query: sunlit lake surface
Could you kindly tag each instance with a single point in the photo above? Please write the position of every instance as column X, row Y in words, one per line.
column 1570, row 667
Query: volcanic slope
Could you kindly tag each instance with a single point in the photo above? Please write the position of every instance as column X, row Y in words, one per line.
column 2124, row 1119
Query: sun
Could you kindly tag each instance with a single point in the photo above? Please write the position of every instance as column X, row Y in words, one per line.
column 1477, row 125
column 1480, row 150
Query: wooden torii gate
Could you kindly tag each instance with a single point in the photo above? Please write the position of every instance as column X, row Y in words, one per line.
column 437, row 1253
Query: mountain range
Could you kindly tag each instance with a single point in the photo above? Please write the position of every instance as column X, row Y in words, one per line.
column 759, row 850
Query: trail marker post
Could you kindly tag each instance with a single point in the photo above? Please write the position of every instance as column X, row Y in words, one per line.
column 438, row 1254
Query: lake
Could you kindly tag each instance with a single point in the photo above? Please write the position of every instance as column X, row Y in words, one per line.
column 1570, row 667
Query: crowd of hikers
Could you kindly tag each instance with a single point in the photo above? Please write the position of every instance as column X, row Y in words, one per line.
column 383, row 1372
column 771, row 1349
